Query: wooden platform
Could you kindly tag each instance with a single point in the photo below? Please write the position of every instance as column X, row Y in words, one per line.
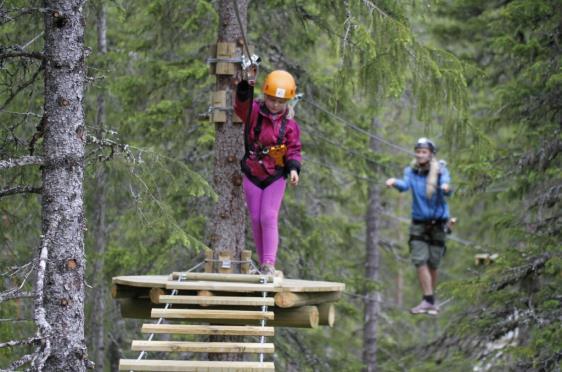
column 244, row 305
column 286, row 285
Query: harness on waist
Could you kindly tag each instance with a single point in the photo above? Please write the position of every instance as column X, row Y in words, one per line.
column 276, row 152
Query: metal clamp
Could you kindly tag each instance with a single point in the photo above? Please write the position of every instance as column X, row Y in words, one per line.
column 255, row 60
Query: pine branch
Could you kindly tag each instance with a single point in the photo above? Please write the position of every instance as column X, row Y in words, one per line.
column 521, row 272
column 22, row 87
column 14, row 295
column 20, row 190
column 44, row 328
column 20, row 362
column 20, row 162
column 12, row 343
column 36, row 55
column 6, row 17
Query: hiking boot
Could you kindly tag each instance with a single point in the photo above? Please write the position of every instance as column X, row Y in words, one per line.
column 267, row 269
column 425, row 308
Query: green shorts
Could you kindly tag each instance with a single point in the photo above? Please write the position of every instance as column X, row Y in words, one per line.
column 427, row 244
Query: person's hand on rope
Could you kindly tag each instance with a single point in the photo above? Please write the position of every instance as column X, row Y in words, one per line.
column 294, row 177
column 251, row 74
column 248, row 74
column 390, row 182
column 445, row 187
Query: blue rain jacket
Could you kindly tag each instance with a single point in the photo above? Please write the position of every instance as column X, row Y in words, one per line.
column 424, row 209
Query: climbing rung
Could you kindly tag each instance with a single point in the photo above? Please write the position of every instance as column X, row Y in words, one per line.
column 221, row 277
column 217, row 300
column 188, row 329
column 221, row 286
column 193, row 366
column 202, row 347
column 210, row 314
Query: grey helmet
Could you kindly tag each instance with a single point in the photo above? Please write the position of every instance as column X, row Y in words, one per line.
column 425, row 143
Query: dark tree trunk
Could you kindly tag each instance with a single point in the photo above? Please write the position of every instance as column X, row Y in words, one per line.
column 227, row 229
column 62, row 202
column 99, row 227
column 372, row 297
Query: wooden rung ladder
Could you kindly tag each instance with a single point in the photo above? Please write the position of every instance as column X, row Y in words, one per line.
column 192, row 365
column 197, row 311
column 223, row 330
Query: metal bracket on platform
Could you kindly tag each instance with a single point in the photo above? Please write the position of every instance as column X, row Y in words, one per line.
column 226, row 264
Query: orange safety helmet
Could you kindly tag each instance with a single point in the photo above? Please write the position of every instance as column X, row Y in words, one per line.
column 280, row 84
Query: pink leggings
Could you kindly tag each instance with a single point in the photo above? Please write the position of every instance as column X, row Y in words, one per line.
column 264, row 205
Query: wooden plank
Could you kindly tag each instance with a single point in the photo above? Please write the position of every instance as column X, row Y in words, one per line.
column 219, row 277
column 217, row 300
column 295, row 299
column 288, row 285
column 221, row 286
column 225, row 50
column 210, row 314
column 202, row 347
column 190, row 329
column 193, row 366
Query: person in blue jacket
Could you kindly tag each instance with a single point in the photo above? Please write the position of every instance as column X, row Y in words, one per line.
column 429, row 181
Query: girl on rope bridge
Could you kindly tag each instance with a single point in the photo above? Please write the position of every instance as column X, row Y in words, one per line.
column 429, row 181
column 272, row 153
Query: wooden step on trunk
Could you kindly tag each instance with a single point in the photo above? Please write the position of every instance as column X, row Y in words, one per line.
column 217, row 300
column 193, row 366
column 211, row 314
column 188, row 329
column 202, row 347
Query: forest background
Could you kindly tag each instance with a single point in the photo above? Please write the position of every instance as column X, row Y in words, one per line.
column 481, row 78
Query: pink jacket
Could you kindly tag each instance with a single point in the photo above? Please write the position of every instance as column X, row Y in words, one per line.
column 261, row 170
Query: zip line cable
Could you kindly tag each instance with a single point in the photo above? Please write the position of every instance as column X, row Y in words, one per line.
column 316, row 105
column 235, row 3
column 357, row 128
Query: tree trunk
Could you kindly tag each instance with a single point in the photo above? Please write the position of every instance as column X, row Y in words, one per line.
column 372, row 297
column 99, row 226
column 62, row 202
column 227, row 229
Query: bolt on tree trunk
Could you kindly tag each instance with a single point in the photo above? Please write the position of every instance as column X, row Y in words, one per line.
column 372, row 296
column 227, row 227
column 62, row 177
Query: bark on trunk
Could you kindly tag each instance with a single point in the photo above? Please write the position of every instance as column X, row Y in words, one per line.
column 62, row 183
column 227, row 228
column 100, row 227
column 372, row 297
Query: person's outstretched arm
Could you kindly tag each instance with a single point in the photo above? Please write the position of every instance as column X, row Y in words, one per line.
column 445, row 181
column 400, row 184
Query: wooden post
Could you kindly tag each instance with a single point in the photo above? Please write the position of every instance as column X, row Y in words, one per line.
column 327, row 314
column 208, row 260
column 225, row 264
column 296, row 317
column 295, row 299
column 246, row 255
column 155, row 294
